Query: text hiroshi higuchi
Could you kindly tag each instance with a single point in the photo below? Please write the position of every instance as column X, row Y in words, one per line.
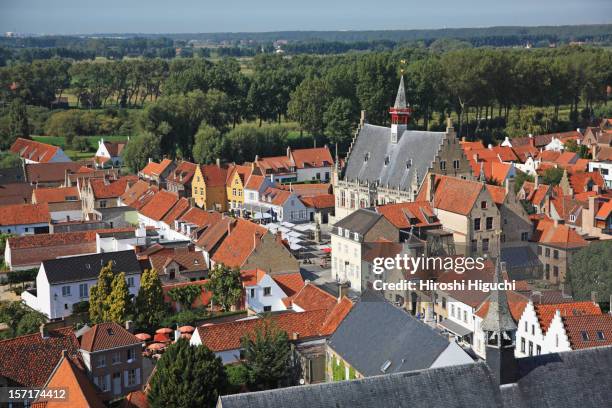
column 426, row 285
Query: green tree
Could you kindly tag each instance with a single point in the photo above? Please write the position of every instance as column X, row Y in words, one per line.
column 308, row 105
column 137, row 153
column 30, row 323
column 552, row 176
column 590, row 270
column 267, row 357
column 18, row 120
column 119, row 301
column 99, row 294
column 8, row 160
column 185, row 295
column 187, row 377
column 572, row 146
column 81, row 144
column 339, row 121
column 520, row 178
column 207, row 146
column 150, row 307
column 225, row 285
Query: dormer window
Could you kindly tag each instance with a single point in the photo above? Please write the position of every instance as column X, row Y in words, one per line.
column 408, row 163
column 585, row 336
column 366, row 157
column 387, row 160
column 340, row 231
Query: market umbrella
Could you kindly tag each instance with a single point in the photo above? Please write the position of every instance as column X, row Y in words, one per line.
column 163, row 330
column 143, row 336
column 161, row 337
column 156, row 346
column 186, row 329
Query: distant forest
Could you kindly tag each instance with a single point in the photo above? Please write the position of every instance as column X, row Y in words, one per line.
column 114, row 46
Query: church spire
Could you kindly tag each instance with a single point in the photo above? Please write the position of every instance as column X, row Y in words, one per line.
column 400, row 99
column 498, row 318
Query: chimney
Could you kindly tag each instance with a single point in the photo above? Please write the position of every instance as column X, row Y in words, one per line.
column 594, row 296
column 218, row 161
column 295, row 336
column 44, row 332
column 288, row 152
column 431, row 188
column 536, row 181
column 594, row 151
column 342, row 290
column 463, row 138
column 129, row 326
column 363, row 118
column 256, row 160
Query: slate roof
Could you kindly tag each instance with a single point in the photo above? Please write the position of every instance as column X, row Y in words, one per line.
column 105, row 336
column 575, row 379
column 375, row 331
column 498, row 317
column 86, row 267
column 374, row 159
column 360, row 221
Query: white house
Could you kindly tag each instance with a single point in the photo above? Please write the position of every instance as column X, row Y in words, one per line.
column 555, row 145
column 284, row 205
column 109, row 154
column 63, row 282
column 263, row 292
column 24, row 219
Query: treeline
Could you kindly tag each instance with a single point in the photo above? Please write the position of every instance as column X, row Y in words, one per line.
column 492, row 92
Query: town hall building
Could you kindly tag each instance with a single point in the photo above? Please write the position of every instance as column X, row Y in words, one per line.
column 387, row 165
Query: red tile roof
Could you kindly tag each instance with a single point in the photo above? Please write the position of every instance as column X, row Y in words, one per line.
column 102, row 188
column 201, row 218
column 560, row 235
column 156, row 169
column 50, row 172
column 307, row 190
column 275, row 196
column 227, row 336
column 604, row 211
column 497, row 193
column 516, row 302
column 405, row 215
column 243, row 171
column 55, row 195
column 29, row 360
column 596, row 328
column 159, row 205
column 275, row 164
column 311, row 297
column 254, row 182
column 135, row 192
column 202, row 300
column 582, row 182
column 336, row 316
column 33, row 150
column 187, row 259
column 453, row 194
column 105, row 336
column 239, row 244
column 290, row 283
column 183, row 173
column 546, row 312
column 214, row 176
column 314, row 157
column 181, row 206
column 319, row 201
column 24, row 214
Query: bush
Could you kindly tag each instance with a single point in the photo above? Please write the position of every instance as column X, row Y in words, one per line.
column 237, row 376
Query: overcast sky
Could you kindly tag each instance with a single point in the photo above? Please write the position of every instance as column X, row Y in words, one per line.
column 180, row 16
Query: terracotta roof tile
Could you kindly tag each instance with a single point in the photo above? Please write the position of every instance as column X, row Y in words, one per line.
column 29, row 360
column 516, row 302
column 290, row 283
column 24, row 214
column 319, row 201
column 560, row 235
column 181, row 206
column 314, row 157
column 159, row 205
column 105, row 336
column 156, row 169
column 311, row 297
column 187, row 259
column 202, row 300
column 33, row 150
column 201, row 218
column 307, row 190
column 214, row 176
column 254, row 182
column 104, row 189
column 136, row 191
column 239, row 244
column 405, row 215
column 275, row 196
column 588, row 331
column 582, row 182
column 546, row 312
column 50, row 172
column 55, row 195
column 604, row 211
column 336, row 316
column 497, row 193
column 453, row 194
column 183, row 173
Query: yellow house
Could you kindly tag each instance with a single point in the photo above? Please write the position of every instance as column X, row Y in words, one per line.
column 208, row 187
column 237, row 178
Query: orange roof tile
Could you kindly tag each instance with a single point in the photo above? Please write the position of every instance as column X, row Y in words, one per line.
column 516, row 302
column 238, row 245
column 104, row 189
column 156, row 169
column 336, row 316
column 179, row 208
column 497, row 193
column 313, row 157
column 588, row 331
column 453, row 194
column 319, row 201
column 202, row 300
column 33, row 150
column 105, row 336
column 275, row 196
column 183, row 173
column 214, row 176
column 201, row 218
column 604, row 211
column 311, row 297
column 290, row 283
column 582, row 182
column 24, row 214
column 307, row 190
column 159, row 205
column 55, row 195
column 546, row 312
column 254, row 182
column 560, row 235
column 135, row 192
column 405, row 215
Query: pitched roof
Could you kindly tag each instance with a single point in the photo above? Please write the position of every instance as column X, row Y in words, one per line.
column 187, row 259
column 115, row 148
column 582, row 182
column 214, row 176
column 588, row 331
column 498, row 194
column 275, row 196
column 201, row 218
column 103, row 188
column 105, row 336
column 15, row 193
column 156, row 169
column 227, row 336
column 604, row 211
column 29, row 360
column 87, row 267
column 213, row 235
column 49, row 172
column 161, row 203
column 135, row 192
column 55, row 195
column 319, row 201
column 454, row 194
column 307, row 190
column 80, row 392
column 546, row 312
column 390, row 334
column 24, row 214
column 311, row 297
column 238, row 245
column 274, row 163
column 181, row 206
column 183, row 173
column 254, row 182
column 560, row 235
column 33, row 150
column 313, row 157
column 405, row 215
column 336, row 315
column 360, row 221
column 243, row 171
column 290, row 283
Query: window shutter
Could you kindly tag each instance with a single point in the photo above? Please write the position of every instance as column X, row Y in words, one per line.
column 138, row 376
column 125, row 378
